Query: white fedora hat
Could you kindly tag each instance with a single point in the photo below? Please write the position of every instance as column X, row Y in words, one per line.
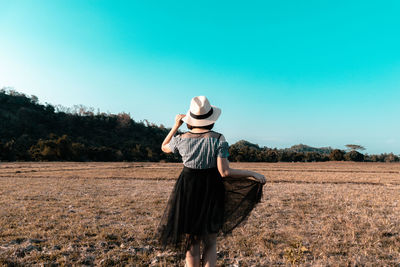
column 201, row 113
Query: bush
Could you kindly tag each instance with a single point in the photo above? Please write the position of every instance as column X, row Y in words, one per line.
column 313, row 157
column 354, row 156
column 270, row 156
column 298, row 157
column 285, row 157
column 102, row 154
column 390, row 157
column 7, row 151
column 79, row 152
column 55, row 148
column 336, row 155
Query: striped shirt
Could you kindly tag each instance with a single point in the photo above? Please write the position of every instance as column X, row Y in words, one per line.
column 200, row 150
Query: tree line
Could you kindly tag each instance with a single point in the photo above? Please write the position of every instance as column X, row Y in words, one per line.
column 30, row 131
column 244, row 151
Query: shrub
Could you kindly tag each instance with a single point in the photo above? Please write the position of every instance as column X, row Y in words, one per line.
column 354, row 156
column 336, row 155
column 313, row 157
column 270, row 156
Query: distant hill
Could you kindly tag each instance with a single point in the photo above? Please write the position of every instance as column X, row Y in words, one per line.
column 300, row 148
column 249, row 152
column 33, row 131
column 244, row 143
column 304, row 149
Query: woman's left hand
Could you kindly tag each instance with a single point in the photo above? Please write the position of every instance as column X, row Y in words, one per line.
column 260, row 178
column 178, row 119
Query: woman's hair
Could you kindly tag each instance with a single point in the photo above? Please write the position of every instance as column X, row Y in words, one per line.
column 208, row 127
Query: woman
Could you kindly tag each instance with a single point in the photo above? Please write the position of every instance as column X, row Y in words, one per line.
column 209, row 197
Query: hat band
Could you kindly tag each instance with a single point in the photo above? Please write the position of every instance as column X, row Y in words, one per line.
column 201, row 117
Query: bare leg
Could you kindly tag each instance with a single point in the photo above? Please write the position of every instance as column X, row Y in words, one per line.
column 210, row 250
column 193, row 255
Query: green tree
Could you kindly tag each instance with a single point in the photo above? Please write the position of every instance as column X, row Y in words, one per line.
column 312, row 157
column 354, row 156
column 270, row 156
column 336, row 155
column 354, row 147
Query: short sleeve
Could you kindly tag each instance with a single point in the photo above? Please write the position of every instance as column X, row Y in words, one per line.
column 222, row 148
column 173, row 144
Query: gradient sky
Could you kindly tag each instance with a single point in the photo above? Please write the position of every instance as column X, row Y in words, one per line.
column 322, row 73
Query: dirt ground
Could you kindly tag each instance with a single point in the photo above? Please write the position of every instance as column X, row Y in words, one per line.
column 311, row 214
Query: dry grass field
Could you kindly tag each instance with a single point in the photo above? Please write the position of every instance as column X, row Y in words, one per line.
column 312, row 214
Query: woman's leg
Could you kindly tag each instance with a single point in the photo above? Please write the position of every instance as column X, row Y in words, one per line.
column 193, row 254
column 210, row 250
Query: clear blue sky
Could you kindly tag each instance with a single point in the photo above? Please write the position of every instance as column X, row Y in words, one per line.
column 322, row 73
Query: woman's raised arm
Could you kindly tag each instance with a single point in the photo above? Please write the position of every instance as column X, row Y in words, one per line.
column 178, row 122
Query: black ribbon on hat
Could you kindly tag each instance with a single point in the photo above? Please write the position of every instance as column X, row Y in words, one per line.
column 201, row 117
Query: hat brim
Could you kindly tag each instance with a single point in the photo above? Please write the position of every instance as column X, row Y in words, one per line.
column 203, row 122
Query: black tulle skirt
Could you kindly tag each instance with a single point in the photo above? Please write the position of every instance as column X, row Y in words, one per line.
column 203, row 203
